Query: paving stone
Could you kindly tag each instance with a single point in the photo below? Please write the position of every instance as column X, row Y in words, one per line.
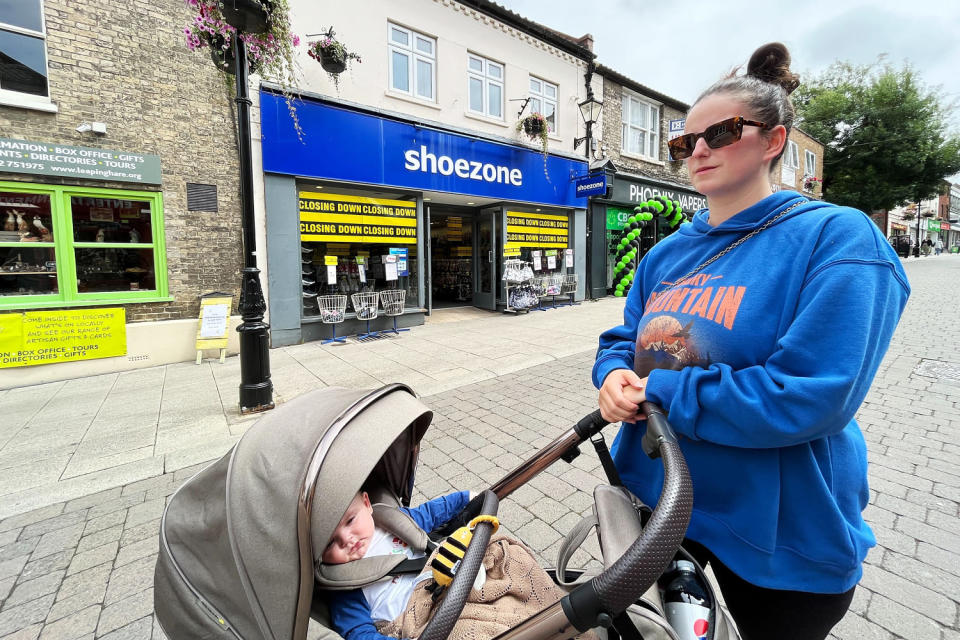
column 92, row 580
column 16, row 618
column 123, row 612
column 27, row 633
column 77, row 595
column 910, row 594
column 106, row 521
column 6, row 586
column 855, row 627
column 130, row 579
column 123, row 502
column 26, row 519
column 32, row 589
column 140, row 532
column 99, row 538
column 75, row 626
column 145, row 512
column 12, row 567
column 93, row 500
column 93, row 557
column 53, row 524
column 137, row 550
column 900, row 620
column 46, row 564
column 141, row 629
column 57, row 541
column 9, row 537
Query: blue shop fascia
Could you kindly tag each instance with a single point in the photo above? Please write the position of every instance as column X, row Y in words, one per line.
column 369, row 202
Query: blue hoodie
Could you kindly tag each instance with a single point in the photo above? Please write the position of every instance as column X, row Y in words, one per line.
column 761, row 360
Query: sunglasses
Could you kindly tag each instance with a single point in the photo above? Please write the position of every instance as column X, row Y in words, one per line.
column 716, row 135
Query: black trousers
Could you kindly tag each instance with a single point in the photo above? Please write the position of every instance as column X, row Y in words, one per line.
column 764, row 614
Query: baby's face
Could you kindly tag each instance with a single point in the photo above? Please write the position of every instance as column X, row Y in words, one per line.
column 351, row 539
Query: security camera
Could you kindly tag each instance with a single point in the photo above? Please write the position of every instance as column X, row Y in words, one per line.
column 84, row 127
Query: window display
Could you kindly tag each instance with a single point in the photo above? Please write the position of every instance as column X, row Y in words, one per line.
column 64, row 245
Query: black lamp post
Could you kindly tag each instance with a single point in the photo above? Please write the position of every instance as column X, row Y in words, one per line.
column 256, row 388
column 590, row 112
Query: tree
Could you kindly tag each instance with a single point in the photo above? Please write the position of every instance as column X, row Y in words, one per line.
column 886, row 136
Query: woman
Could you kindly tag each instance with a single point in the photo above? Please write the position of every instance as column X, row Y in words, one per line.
column 759, row 327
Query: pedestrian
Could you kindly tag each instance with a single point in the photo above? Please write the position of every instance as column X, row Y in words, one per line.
column 925, row 246
column 759, row 327
column 938, row 246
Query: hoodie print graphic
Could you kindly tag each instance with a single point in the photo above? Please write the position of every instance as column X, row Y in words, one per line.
column 666, row 340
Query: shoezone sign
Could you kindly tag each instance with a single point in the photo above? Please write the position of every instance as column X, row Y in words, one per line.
column 538, row 230
column 45, row 337
column 332, row 217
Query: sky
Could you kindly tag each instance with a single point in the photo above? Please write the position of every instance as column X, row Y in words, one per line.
column 680, row 47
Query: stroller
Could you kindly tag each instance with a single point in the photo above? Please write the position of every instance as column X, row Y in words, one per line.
column 239, row 540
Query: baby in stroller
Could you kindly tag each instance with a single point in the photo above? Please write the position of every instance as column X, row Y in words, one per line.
column 401, row 603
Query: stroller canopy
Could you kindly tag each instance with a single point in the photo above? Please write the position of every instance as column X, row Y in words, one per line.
column 238, row 540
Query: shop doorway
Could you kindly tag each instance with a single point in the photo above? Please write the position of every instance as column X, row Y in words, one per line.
column 451, row 259
column 462, row 254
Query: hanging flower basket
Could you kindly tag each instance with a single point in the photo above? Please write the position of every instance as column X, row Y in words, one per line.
column 249, row 16
column 535, row 127
column 332, row 55
column 223, row 55
column 264, row 28
column 810, row 183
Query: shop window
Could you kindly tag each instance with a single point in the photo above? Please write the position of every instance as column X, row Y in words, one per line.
column 640, row 127
column 413, row 59
column 71, row 246
column 485, row 86
column 355, row 241
column 23, row 52
column 543, row 100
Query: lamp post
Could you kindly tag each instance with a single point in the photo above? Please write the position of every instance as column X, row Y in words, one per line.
column 590, row 112
column 256, row 388
column 916, row 249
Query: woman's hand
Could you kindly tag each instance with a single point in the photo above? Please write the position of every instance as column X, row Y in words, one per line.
column 621, row 395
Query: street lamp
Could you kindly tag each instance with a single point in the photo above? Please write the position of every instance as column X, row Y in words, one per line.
column 590, row 112
column 256, row 388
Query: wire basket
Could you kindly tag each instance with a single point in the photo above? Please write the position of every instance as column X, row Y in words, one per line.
column 569, row 284
column 551, row 285
column 393, row 301
column 332, row 308
column 365, row 304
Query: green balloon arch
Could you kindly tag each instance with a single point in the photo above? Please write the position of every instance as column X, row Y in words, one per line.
column 628, row 246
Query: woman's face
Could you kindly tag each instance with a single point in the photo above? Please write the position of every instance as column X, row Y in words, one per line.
column 727, row 170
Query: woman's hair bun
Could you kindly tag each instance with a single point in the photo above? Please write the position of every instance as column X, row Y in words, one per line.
column 771, row 63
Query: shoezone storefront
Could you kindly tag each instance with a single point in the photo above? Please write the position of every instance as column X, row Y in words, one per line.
column 403, row 218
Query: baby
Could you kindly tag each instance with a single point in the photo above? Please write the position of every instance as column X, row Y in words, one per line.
column 353, row 613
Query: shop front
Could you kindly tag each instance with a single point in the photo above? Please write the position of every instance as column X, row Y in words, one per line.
column 609, row 217
column 394, row 219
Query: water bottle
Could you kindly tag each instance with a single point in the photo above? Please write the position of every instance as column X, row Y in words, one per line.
column 686, row 601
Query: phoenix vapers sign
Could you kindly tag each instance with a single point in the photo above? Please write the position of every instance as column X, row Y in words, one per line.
column 332, row 217
column 538, row 230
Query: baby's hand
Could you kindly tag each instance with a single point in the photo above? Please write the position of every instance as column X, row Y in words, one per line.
column 636, row 395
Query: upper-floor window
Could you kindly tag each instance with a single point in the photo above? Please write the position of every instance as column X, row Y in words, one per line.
column 543, row 100
column 413, row 62
column 23, row 51
column 809, row 163
column 485, row 86
column 641, row 127
column 791, row 158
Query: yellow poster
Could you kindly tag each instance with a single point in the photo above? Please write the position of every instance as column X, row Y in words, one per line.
column 332, row 217
column 538, row 230
column 45, row 337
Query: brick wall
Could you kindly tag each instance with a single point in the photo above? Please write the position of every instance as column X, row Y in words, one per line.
column 805, row 143
column 124, row 63
column 612, row 139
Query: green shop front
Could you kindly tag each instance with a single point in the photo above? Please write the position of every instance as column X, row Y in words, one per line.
column 395, row 219
column 610, row 218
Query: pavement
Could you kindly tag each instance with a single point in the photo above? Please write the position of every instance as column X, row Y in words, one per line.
column 89, row 463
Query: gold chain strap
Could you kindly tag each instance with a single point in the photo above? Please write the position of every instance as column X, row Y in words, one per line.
column 734, row 245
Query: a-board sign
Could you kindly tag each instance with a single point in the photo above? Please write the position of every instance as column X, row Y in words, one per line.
column 214, row 322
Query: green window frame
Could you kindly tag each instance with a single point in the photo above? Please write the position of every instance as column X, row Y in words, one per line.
column 65, row 247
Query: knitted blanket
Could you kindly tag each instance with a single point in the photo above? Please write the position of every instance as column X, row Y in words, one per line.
column 516, row 588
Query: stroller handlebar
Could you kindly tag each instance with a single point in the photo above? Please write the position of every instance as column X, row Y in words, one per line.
column 449, row 611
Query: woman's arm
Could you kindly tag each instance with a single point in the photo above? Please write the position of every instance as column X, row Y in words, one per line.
column 815, row 381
